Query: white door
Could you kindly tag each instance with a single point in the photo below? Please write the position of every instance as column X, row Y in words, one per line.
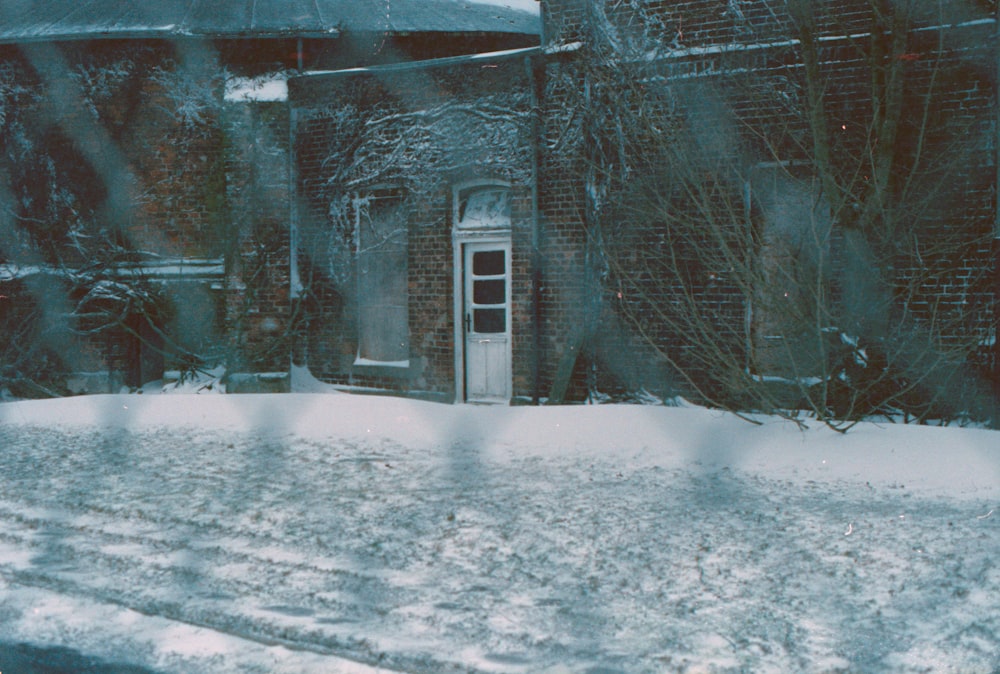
column 487, row 322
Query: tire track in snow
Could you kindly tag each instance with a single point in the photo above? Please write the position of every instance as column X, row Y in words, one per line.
column 90, row 556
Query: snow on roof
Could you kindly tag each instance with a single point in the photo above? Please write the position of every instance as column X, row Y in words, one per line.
column 37, row 20
column 151, row 268
column 12, row 272
column 173, row 267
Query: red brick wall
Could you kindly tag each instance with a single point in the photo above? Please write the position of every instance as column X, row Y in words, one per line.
column 143, row 159
column 566, row 298
column 259, row 318
column 747, row 56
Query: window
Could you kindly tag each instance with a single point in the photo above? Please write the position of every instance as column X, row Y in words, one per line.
column 483, row 207
column 381, row 237
column 489, row 292
column 792, row 257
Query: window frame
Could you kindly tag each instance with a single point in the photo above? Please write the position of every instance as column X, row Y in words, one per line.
column 361, row 202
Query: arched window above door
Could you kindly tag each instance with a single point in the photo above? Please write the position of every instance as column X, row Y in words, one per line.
column 482, row 206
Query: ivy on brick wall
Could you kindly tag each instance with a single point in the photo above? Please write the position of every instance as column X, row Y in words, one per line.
column 112, row 158
column 409, row 138
column 788, row 207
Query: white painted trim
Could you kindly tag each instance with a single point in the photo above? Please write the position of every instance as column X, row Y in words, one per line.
column 461, row 237
column 458, row 312
column 154, row 268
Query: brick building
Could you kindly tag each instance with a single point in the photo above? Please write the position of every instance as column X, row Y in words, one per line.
column 406, row 176
column 784, row 205
column 144, row 173
column 752, row 204
column 679, row 215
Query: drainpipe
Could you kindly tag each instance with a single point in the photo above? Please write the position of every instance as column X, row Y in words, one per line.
column 534, row 84
column 995, row 374
column 996, row 225
column 543, row 13
column 296, row 291
column 295, row 279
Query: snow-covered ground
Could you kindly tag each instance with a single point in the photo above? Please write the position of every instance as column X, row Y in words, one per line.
column 339, row 533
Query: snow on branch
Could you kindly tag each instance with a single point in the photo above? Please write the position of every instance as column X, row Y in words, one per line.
column 384, row 144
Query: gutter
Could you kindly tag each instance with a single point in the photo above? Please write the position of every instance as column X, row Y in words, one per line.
column 165, row 33
column 714, row 49
column 429, row 63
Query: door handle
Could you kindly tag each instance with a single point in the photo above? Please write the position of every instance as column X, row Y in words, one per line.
column 468, row 322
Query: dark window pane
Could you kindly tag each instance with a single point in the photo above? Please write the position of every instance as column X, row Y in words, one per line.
column 489, row 263
column 489, row 320
column 489, row 292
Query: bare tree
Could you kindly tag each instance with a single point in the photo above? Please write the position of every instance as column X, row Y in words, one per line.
column 79, row 226
column 798, row 218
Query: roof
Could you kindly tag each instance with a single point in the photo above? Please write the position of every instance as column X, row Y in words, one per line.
column 52, row 20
